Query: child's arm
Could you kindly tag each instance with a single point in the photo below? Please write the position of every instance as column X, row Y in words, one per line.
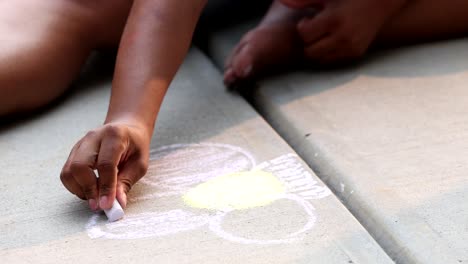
column 154, row 43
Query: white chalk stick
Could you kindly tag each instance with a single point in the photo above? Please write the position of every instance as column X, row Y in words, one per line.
column 115, row 213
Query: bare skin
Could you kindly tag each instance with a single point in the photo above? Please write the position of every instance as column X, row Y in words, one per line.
column 42, row 55
column 153, row 45
column 38, row 60
column 343, row 30
column 273, row 43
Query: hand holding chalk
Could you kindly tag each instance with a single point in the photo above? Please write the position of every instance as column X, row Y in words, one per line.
column 119, row 151
column 115, row 212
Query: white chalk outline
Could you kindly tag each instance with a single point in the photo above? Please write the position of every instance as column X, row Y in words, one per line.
column 216, row 225
column 195, row 179
column 148, row 220
column 300, row 187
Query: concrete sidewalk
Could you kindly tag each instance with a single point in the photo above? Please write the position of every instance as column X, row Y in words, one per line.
column 223, row 187
column 389, row 136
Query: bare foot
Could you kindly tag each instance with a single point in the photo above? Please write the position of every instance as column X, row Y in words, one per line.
column 273, row 44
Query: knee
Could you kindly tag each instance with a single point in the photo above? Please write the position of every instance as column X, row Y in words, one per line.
column 19, row 95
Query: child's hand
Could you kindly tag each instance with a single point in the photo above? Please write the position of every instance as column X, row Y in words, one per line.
column 344, row 29
column 119, row 152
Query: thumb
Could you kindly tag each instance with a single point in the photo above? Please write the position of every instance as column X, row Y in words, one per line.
column 121, row 194
column 128, row 176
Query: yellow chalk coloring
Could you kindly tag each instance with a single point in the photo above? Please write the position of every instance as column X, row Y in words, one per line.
column 241, row 190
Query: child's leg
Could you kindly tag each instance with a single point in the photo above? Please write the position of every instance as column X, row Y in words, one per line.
column 425, row 20
column 44, row 44
column 273, row 43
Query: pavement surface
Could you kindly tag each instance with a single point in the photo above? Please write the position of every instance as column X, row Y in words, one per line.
column 389, row 136
column 222, row 187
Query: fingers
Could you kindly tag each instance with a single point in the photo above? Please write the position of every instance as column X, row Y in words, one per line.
column 321, row 49
column 82, row 162
column 111, row 150
column 121, row 193
column 312, row 29
column 71, row 185
column 319, row 41
column 67, row 179
column 101, row 150
column 132, row 172
column 335, row 35
column 335, row 49
column 327, row 41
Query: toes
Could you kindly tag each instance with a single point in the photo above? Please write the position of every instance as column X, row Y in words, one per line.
column 260, row 51
column 235, row 51
column 240, row 46
column 239, row 66
column 229, row 77
column 243, row 64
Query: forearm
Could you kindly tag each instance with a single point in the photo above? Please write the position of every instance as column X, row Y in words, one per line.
column 155, row 41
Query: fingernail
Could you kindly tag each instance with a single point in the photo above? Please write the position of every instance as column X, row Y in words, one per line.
column 92, row 204
column 124, row 201
column 247, row 71
column 103, row 202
